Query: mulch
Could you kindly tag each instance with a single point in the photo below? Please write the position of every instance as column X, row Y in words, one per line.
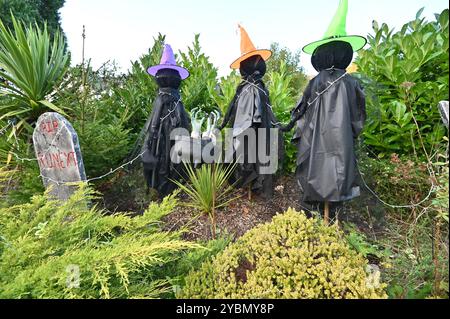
column 127, row 193
column 240, row 215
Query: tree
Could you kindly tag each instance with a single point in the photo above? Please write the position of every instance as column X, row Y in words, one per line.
column 31, row 11
column 292, row 66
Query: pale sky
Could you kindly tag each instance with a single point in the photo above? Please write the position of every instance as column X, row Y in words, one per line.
column 123, row 30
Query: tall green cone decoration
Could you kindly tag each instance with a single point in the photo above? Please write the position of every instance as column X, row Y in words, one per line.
column 337, row 32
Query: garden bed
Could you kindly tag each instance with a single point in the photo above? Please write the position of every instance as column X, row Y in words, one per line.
column 240, row 215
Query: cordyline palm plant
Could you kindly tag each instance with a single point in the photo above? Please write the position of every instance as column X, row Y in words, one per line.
column 31, row 66
column 208, row 189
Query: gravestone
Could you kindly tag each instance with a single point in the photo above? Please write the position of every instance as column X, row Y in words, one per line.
column 443, row 108
column 58, row 154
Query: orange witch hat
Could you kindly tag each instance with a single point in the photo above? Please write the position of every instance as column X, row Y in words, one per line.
column 248, row 49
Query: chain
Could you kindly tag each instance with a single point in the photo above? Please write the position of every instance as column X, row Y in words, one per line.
column 264, row 92
column 112, row 171
column 432, row 190
column 319, row 94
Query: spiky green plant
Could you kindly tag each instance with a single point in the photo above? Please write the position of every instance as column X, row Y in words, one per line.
column 31, row 66
column 208, row 189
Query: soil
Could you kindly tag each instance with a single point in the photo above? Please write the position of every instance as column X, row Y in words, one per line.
column 241, row 215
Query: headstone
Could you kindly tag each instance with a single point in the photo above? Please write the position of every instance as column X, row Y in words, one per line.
column 443, row 108
column 58, row 154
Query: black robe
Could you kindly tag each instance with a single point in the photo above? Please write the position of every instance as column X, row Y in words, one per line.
column 329, row 119
column 250, row 110
column 168, row 113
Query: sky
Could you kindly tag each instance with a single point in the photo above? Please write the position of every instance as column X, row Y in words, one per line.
column 123, row 31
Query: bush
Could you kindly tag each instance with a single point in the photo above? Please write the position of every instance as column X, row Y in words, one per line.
column 192, row 260
column 43, row 243
column 292, row 257
column 202, row 71
column 98, row 118
column 406, row 75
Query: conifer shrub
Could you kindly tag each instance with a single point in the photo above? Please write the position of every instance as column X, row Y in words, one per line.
column 50, row 249
column 292, row 257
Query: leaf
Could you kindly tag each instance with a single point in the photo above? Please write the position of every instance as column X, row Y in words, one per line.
column 419, row 13
column 52, row 106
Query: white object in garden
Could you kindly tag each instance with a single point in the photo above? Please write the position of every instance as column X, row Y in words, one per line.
column 58, row 153
column 196, row 124
column 443, row 108
column 213, row 118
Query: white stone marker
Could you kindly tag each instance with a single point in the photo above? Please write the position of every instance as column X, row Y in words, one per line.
column 443, row 108
column 58, row 153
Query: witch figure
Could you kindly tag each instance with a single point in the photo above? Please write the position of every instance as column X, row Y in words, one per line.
column 251, row 116
column 167, row 115
column 329, row 118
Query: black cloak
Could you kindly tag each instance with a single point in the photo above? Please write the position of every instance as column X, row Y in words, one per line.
column 329, row 117
column 168, row 114
column 250, row 110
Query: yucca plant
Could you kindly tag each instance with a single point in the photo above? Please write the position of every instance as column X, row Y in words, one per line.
column 208, row 189
column 31, row 66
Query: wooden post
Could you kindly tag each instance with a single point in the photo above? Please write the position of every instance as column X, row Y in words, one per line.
column 213, row 212
column 327, row 213
column 250, row 192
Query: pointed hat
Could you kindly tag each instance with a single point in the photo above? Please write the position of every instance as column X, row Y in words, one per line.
column 337, row 32
column 168, row 62
column 248, row 50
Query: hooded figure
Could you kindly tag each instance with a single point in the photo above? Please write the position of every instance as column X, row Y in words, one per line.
column 168, row 114
column 329, row 118
column 250, row 110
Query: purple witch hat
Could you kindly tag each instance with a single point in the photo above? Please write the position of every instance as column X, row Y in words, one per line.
column 168, row 62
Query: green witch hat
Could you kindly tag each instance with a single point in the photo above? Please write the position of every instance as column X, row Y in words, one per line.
column 337, row 32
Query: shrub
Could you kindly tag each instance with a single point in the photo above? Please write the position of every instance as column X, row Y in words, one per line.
column 405, row 75
column 291, row 257
column 44, row 242
column 191, row 260
column 99, row 120
column 282, row 98
column 137, row 89
column 195, row 88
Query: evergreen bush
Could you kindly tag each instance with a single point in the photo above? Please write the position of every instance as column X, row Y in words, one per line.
column 50, row 249
column 292, row 257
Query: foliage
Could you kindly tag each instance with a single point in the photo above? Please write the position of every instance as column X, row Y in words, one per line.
column 415, row 236
column 33, row 11
column 192, row 260
column 406, row 75
column 282, row 98
column 359, row 242
column 292, row 257
column 411, row 273
column 202, row 73
column 207, row 188
column 401, row 180
column 24, row 181
column 285, row 61
column 138, row 89
column 32, row 66
column 223, row 92
column 101, row 123
column 117, row 256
